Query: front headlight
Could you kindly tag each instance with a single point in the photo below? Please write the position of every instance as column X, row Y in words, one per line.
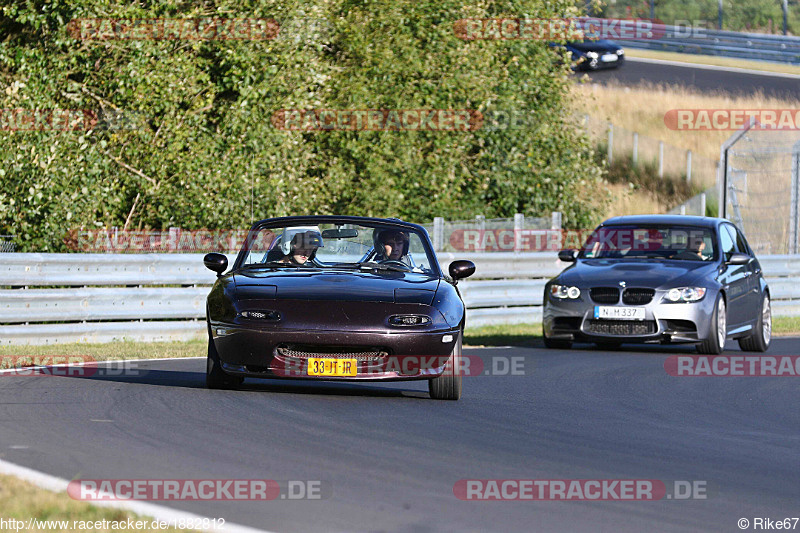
column 563, row 291
column 591, row 55
column 620, row 52
column 685, row 294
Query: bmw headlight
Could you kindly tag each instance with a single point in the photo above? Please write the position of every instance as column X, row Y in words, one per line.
column 563, row 291
column 685, row 294
column 591, row 55
column 620, row 52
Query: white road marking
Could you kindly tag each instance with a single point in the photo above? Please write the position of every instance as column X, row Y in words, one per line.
column 158, row 512
column 713, row 67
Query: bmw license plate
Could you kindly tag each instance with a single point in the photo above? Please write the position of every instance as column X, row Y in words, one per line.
column 608, row 58
column 318, row 366
column 619, row 313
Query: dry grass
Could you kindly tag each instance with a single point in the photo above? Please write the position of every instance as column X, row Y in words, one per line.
column 642, row 109
column 21, row 500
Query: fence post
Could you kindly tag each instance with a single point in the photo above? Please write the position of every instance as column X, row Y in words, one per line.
column 554, row 239
column 719, row 11
column 785, row 7
column 481, row 222
column 635, row 148
column 438, row 233
column 702, row 204
column 519, row 222
column 610, row 143
column 660, row 159
column 688, row 166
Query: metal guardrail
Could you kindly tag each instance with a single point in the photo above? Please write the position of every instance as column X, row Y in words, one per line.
column 54, row 298
column 758, row 46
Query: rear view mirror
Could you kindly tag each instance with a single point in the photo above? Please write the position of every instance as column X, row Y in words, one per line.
column 738, row 259
column 568, row 256
column 339, row 233
column 461, row 269
column 216, row 262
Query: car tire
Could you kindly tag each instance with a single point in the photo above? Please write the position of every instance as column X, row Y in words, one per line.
column 216, row 378
column 555, row 344
column 715, row 343
column 762, row 332
column 448, row 385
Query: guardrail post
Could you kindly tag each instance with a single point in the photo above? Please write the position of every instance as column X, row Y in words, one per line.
column 688, row 166
column 519, row 224
column 481, row 222
column 610, row 143
column 702, row 204
column 794, row 213
column 438, row 233
column 635, row 148
column 660, row 159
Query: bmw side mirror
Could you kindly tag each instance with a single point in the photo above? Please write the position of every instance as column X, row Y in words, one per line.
column 568, row 256
column 216, row 262
column 738, row 259
column 461, row 269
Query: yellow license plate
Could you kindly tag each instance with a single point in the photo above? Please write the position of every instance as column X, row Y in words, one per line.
column 331, row 367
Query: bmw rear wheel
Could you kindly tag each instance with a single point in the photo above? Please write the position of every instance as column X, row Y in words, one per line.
column 759, row 340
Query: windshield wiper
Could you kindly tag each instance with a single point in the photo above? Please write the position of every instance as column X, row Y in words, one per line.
column 274, row 264
column 381, row 266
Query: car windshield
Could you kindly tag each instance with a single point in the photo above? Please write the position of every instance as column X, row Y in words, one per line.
column 339, row 246
column 650, row 242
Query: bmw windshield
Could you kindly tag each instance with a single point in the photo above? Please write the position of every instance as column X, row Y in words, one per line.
column 650, row 242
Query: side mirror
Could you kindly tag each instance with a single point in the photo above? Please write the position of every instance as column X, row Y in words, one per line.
column 738, row 259
column 461, row 269
column 216, row 262
column 568, row 256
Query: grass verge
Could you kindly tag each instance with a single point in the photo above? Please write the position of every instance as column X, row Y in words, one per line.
column 506, row 335
column 21, row 500
column 766, row 66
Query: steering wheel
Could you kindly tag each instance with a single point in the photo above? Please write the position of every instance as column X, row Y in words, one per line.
column 395, row 262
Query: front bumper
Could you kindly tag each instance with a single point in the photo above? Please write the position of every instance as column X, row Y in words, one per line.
column 663, row 322
column 379, row 356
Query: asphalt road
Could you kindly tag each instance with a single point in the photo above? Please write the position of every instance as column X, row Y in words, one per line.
column 390, row 456
column 636, row 71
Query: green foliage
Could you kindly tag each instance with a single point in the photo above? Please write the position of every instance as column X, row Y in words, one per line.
column 200, row 150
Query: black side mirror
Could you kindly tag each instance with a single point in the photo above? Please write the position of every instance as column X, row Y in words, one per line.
column 738, row 259
column 216, row 262
column 568, row 256
column 461, row 269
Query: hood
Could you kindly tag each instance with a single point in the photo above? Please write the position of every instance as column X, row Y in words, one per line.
column 398, row 287
column 588, row 273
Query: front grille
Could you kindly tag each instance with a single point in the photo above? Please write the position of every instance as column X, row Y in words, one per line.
column 621, row 327
column 604, row 295
column 360, row 353
column 638, row 296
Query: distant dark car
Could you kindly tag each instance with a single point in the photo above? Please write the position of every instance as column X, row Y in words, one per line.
column 664, row 279
column 596, row 54
column 336, row 298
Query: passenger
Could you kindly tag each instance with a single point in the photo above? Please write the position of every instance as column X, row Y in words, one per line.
column 302, row 248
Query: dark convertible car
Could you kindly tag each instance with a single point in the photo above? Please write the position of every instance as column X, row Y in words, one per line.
column 336, row 298
column 660, row 278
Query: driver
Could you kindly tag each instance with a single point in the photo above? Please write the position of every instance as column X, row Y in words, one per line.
column 302, row 248
column 390, row 245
